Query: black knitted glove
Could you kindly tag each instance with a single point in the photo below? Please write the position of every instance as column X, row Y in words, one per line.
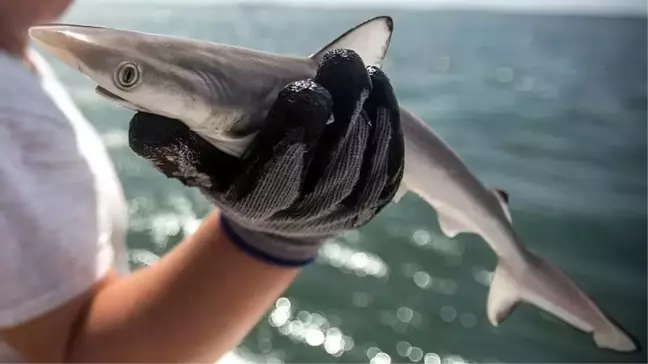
column 328, row 158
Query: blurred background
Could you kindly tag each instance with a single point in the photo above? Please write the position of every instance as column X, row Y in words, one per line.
column 544, row 99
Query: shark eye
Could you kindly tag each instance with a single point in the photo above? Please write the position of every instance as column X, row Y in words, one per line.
column 127, row 75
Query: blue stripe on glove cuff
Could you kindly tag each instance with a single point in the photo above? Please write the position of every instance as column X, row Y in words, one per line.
column 255, row 252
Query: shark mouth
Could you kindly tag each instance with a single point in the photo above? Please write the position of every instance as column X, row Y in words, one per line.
column 118, row 100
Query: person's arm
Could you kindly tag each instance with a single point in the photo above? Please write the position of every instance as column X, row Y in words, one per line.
column 193, row 305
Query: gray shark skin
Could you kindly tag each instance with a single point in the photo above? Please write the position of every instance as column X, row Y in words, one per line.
column 222, row 92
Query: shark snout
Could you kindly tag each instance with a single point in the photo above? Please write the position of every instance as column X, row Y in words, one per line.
column 62, row 41
column 48, row 34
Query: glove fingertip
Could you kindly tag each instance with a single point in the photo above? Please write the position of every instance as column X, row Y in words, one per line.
column 179, row 153
column 303, row 100
column 300, row 112
column 148, row 132
column 342, row 72
column 382, row 94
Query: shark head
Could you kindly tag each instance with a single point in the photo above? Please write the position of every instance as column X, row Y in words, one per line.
column 221, row 92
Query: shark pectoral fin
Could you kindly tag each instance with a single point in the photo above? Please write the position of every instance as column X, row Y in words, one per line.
column 503, row 198
column 502, row 297
column 450, row 226
column 615, row 339
column 369, row 39
column 402, row 191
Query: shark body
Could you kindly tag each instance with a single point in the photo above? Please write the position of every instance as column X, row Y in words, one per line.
column 222, row 92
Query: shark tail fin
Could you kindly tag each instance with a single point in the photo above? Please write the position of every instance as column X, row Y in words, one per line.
column 369, row 39
column 544, row 286
column 402, row 191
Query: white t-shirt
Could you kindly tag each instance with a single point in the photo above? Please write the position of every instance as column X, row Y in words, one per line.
column 62, row 210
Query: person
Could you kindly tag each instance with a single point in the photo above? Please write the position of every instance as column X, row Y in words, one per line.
column 328, row 158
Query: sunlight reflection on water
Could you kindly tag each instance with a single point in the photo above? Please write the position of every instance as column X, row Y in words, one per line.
column 346, row 258
column 317, row 331
column 313, row 329
column 437, row 242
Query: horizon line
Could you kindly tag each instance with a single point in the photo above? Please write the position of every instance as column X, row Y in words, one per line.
column 443, row 5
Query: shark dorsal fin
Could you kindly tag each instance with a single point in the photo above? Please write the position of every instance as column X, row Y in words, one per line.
column 369, row 39
column 503, row 199
column 503, row 195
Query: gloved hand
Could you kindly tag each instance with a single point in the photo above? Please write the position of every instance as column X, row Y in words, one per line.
column 328, row 158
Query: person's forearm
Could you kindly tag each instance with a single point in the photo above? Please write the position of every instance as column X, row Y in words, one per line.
column 194, row 304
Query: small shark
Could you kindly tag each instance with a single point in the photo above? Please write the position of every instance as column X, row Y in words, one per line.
column 223, row 92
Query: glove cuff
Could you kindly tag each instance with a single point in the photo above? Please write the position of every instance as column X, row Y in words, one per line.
column 273, row 249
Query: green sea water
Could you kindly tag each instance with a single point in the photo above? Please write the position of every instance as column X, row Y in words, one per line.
column 550, row 108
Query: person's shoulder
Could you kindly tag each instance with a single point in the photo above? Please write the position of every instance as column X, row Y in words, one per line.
column 35, row 136
column 20, row 90
column 27, row 115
